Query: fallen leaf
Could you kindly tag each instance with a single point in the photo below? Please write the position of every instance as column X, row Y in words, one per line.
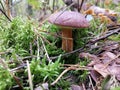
column 107, row 56
column 89, row 56
column 100, row 68
column 76, row 87
column 115, row 70
column 95, row 75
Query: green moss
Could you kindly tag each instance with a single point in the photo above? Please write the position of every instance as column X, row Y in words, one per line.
column 6, row 80
column 80, row 37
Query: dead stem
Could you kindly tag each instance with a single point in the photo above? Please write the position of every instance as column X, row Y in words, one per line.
column 91, row 82
column 83, row 85
column 38, row 47
column 29, row 76
column 67, row 69
column 45, row 50
column 115, row 31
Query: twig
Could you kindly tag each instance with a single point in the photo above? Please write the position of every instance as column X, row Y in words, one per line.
column 79, row 9
column 2, row 5
column 28, row 57
column 7, row 68
column 46, row 51
column 83, row 85
column 8, row 8
column 91, row 42
column 19, row 67
column 70, row 68
column 29, row 76
column 66, row 54
column 36, row 32
column 91, row 82
column 71, row 65
column 115, row 31
column 38, row 51
column 66, row 70
column 53, row 6
column 5, row 15
column 78, row 1
column 64, row 11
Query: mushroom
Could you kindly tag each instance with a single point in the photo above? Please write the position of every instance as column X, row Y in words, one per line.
column 68, row 20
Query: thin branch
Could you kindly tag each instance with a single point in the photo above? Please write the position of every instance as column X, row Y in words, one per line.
column 91, row 82
column 7, row 8
column 115, row 31
column 29, row 76
column 65, row 10
column 2, row 61
column 46, row 51
column 91, row 42
column 5, row 15
column 83, row 85
column 79, row 9
column 53, row 5
column 69, row 53
column 70, row 68
column 37, row 33
column 2, row 5
column 66, row 70
column 38, row 51
column 78, row 5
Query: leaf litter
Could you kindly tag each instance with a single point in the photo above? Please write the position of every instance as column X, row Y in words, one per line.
column 104, row 64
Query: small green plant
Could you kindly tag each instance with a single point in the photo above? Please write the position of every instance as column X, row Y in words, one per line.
column 115, row 37
column 43, row 72
column 80, row 37
column 53, row 50
column 18, row 36
column 52, row 35
column 81, row 76
column 6, row 79
column 84, row 62
column 51, row 32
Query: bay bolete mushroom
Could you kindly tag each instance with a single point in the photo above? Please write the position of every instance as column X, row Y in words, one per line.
column 67, row 21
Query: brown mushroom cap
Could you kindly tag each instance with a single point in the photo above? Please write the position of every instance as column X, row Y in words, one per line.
column 69, row 19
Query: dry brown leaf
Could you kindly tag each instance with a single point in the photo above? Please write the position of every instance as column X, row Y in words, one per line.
column 107, row 56
column 89, row 56
column 115, row 70
column 76, row 87
column 100, row 68
column 95, row 75
column 111, row 47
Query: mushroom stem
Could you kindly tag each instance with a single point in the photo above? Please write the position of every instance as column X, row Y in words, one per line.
column 67, row 40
